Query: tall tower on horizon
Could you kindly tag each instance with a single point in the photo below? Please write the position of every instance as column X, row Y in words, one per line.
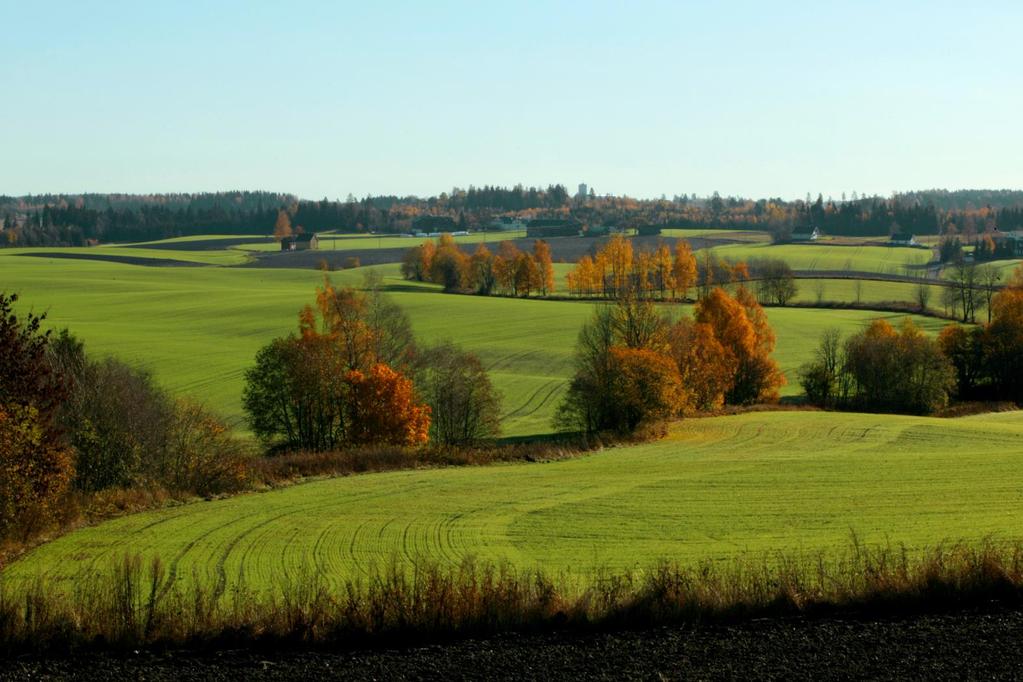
column 582, row 193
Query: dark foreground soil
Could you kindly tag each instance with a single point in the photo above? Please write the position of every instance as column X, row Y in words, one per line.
column 970, row 646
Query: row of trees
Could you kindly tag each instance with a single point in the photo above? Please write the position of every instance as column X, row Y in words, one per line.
column 72, row 220
column 988, row 359
column 888, row 370
column 510, row 271
column 353, row 375
column 70, row 424
column 634, row 366
column 617, row 269
column 880, row 369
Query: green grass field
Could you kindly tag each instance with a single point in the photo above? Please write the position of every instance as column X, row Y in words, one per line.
column 197, row 329
column 74, row 253
column 715, row 489
column 845, row 291
column 348, row 242
column 874, row 259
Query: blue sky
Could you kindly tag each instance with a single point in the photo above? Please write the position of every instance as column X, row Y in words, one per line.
column 641, row 98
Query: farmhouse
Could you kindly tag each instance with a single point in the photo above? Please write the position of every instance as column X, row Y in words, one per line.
column 541, row 228
column 902, row 239
column 507, row 222
column 300, row 242
column 806, row 235
column 1008, row 245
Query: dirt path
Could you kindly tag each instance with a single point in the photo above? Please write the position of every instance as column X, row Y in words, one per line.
column 965, row 646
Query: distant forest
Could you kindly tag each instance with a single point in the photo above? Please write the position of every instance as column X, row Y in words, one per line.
column 76, row 220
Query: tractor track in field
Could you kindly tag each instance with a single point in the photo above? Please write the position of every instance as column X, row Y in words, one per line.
column 552, row 386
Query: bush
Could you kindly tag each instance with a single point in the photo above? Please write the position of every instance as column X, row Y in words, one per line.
column 128, row 432
column 35, row 464
column 881, row 370
column 35, row 470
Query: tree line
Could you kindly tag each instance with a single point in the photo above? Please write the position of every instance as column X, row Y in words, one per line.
column 72, row 425
column 510, row 271
column 74, row 220
column 884, row 369
column 354, row 375
column 635, row 366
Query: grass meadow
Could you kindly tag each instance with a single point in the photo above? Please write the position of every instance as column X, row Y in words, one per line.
column 198, row 328
column 889, row 260
column 716, row 489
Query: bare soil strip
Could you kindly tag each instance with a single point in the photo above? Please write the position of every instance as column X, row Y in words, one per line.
column 937, row 647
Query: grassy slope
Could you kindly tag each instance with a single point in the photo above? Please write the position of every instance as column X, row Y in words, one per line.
column 346, row 242
column 198, row 329
column 875, row 259
column 714, row 489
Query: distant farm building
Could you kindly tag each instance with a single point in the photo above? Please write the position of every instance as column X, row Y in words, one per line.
column 430, row 224
column 1008, row 245
column 307, row 241
column 903, row 239
column 648, row 230
column 543, row 228
column 806, row 235
column 507, row 223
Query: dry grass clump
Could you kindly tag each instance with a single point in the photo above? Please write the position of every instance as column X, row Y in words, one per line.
column 137, row 604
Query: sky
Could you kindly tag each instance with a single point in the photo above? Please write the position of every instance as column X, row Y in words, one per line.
column 323, row 99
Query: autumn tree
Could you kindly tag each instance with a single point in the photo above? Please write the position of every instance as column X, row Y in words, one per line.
column 544, row 265
column 889, row 370
column 527, row 276
column 706, row 369
column 417, row 262
column 683, row 270
column 742, row 329
column 449, row 266
column 465, row 407
column 1003, row 343
column 382, row 407
column 647, row 385
column 664, row 279
column 35, row 469
column 583, row 279
column 481, row 277
column 321, row 389
column 282, row 226
column 624, row 376
column 505, row 266
column 617, row 258
column 35, row 465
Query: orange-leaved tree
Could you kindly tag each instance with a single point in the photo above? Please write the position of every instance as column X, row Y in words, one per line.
column 647, row 386
column 282, row 226
column 684, row 270
column 383, row 408
column 481, row 271
column 449, row 266
column 544, row 265
column 664, row 277
column 706, row 369
column 316, row 390
column 748, row 341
